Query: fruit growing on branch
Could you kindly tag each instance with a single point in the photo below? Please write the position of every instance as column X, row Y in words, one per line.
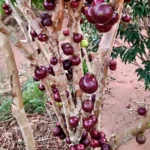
column 142, row 111
column 73, row 121
column 112, row 65
column 126, row 18
column 87, row 105
column 40, row 72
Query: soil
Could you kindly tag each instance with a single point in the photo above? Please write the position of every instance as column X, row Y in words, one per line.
column 124, row 94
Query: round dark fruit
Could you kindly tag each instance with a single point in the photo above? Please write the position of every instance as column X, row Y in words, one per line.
column 57, row 97
column 102, row 13
column 85, row 10
column 81, row 147
column 55, row 90
column 74, row 4
column 35, row 78
column 53, row 86
column 68, row 141
column 142, row 111
column 76, row 61
column 103, row 27
column 112, row 65
column 50, row 70
column 84, row 135
column 67, row 94
column 88, row 15
column 33, row 33
column 68, row 49
column 126, row 18
column 66, row 32
column 44, row 15
column 40, row 72
column 88, row 84
column 94, row 134
column 67, row 64
column 77, row 37
column 8, row 11
column 86, row 142
column 88, row 124
column 127, row 1
column 102, row 135
column 54, row 60
column 114, row 19
column 41, row 87
column 49, row 5
column 94, row 118
column 102, row 141
column 47, row 22
column 57, row 131
column 73, row 121
column 95, row 2
column 105, row 147
column 73, row 148
column 42, row 37
column 140, row 139
column 94, row 143
column 5, row 6
column 87, row 105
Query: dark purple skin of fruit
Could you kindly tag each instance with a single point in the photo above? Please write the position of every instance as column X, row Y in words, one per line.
column 103, row 27
column 102, row 141
column 140, row 139
column 55, row 90
column 62, row 136
column 102, row 13
column 142, row 111
column 114, row 19
column 35, row 78
column 50, row 70
column 74, row 4
column 68, row 49
column 76, row 61
column 73, row 121
column 85, row 10
column 33, row 33
column 102, row 135
column 57, row 97
column 68, row 141
column 94, row 134
column 8, row 11
column 40, row 72
column 94, row 143
column 84, row 135
column 87, row 105
column 67, row 94
column 44, row 15
column 77, row 37
column 90, row 57
column 67, row 64
column 94, row 118
column 93, row 98
column 86, row 142
column 89, row 1
column 88, row 84
column 88, row 124
column 88, row 15
column 81, row 20
column 47, row 22
column 6, row 6
column 57, row 131
column 81, row 147
column 126, row 18
column 69, row 76
column 53, row 86
column 54, row 60
column 42, row 37
column 105, row 147
column 49, row 5
column 72, row 148
column 112, row 64
column 66, row 32
column 127, row 1
column 41, row 87
column 95, row 2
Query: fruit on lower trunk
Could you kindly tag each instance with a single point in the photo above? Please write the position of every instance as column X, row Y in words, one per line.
column 67, row 49
column 35, row 78
column 96, row 2
column 47, row 22
column 88, row 15
column 81, row 147
column 44, row 15
column 112, row 65
column 102, row 141
column 102, row 13
column 127, row 1
column 105, row 147
column 126, row 18
column 87, row 105
column 41, row 87
column 49, row 5
column 57, row 97
column 86, row 142
column 54, row 60
column 102, row 135
column 8, row 11
column 142, row 111
column 75, row 60
column 66, row 32
column 73, row 148
column 84, row 135
column 103, row 27
column 88, row 123
column 41, row 72
column 95, row 134
column 57, row 131
column 42, row 37
column 114, row 19
column 77, row 37
column 68, row 141
column 88, row 83
column 94, row 143
column 67, row 64
column 5, row 6
column 50, row 70
column 140, row 139
column 73, row 121
column 74, row 4
column 33, row 33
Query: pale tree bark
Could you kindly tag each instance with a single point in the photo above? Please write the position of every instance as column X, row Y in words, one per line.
column 17, row 106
